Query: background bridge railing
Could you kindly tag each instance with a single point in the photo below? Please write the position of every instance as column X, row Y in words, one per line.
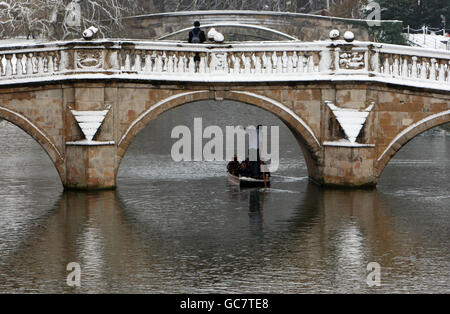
column 242, row 62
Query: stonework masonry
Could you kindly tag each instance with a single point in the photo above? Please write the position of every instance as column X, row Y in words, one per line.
column 304, row 27
column 399, row 114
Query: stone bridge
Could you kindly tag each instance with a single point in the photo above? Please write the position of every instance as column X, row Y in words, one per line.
column 260, row 25
column 351, row 106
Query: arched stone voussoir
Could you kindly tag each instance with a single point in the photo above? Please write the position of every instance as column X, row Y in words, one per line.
column 154, row 111
column 297, row 125
column 407, row 135
column 43, row 139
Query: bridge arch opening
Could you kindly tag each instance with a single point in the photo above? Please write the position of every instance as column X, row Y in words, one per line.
column 303, row 138
column 31, row 129
column 409, row 134
column 26, row 157
column 235, row 32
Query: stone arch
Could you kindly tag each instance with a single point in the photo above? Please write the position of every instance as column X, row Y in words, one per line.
column 258, row 28
column 31, row 129
column 407, row 135
column 302, row 132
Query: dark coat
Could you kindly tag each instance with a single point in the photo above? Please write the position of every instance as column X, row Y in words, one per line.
column 196, row 31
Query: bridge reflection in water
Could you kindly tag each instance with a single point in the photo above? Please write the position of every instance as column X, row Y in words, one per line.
column 322, row 244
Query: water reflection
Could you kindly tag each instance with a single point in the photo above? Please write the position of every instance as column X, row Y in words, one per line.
column 183, row 228
column 323, row 245
column 256, row 208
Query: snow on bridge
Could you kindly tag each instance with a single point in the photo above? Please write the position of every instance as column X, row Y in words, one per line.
column 239, row 62
column 378, row 98
column 427, row 38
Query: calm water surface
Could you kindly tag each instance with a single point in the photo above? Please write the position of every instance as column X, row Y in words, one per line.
column 181, row 228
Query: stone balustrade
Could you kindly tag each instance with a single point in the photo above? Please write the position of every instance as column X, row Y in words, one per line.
column 265, row 61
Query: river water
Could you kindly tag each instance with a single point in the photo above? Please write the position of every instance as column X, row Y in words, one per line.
column 182, row 228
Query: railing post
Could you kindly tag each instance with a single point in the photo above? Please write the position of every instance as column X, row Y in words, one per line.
column 424, row 34
column 64, row 64
column 375, row 61
column 325, row 60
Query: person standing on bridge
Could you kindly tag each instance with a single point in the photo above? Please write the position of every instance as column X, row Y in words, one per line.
column 197, row 36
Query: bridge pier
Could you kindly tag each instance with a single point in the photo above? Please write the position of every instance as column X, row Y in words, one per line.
column 347, row 167
column 90, row 167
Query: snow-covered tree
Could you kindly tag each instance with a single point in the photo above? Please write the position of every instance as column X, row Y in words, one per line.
column 62, row 19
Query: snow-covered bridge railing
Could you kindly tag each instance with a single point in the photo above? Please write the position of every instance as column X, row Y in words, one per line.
column 242, row 62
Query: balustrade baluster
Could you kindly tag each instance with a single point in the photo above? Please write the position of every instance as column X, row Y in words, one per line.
column 148, row 62
column 170, row 63
column 386, row 65
column 284, row 60
column 40, row 64
column 29, row 63
column 290, row 62
column 138, row 61
column 158, row 62
column 247, row 63
column 127, row 60
column 50, row 63
column 414, row 68
column 442, row 71
column 405, row 67
column 257, row 61
column 19, row 65
column 191, row 61
column 9, row 66
column 423, row 69
column 396, row 66
column 236, row 63
column 301, row 63
column 57, row 61
column 433, row 70
column 311, row 65
column 268, row 63
column 203, row 63
column 165, row 61
column 448, row 72
column 279, row 55
column 294, row 61
column 181, row 63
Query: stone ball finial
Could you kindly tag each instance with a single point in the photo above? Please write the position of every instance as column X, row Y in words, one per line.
column 211, row 34
column 90, row 33
column 219, row 38
column 349, row 36
column 334, row 34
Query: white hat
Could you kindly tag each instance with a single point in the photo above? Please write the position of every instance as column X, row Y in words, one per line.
column 211, row 34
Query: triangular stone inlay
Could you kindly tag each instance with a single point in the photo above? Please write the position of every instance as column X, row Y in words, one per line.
column 351, row 120
column 90, row 121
